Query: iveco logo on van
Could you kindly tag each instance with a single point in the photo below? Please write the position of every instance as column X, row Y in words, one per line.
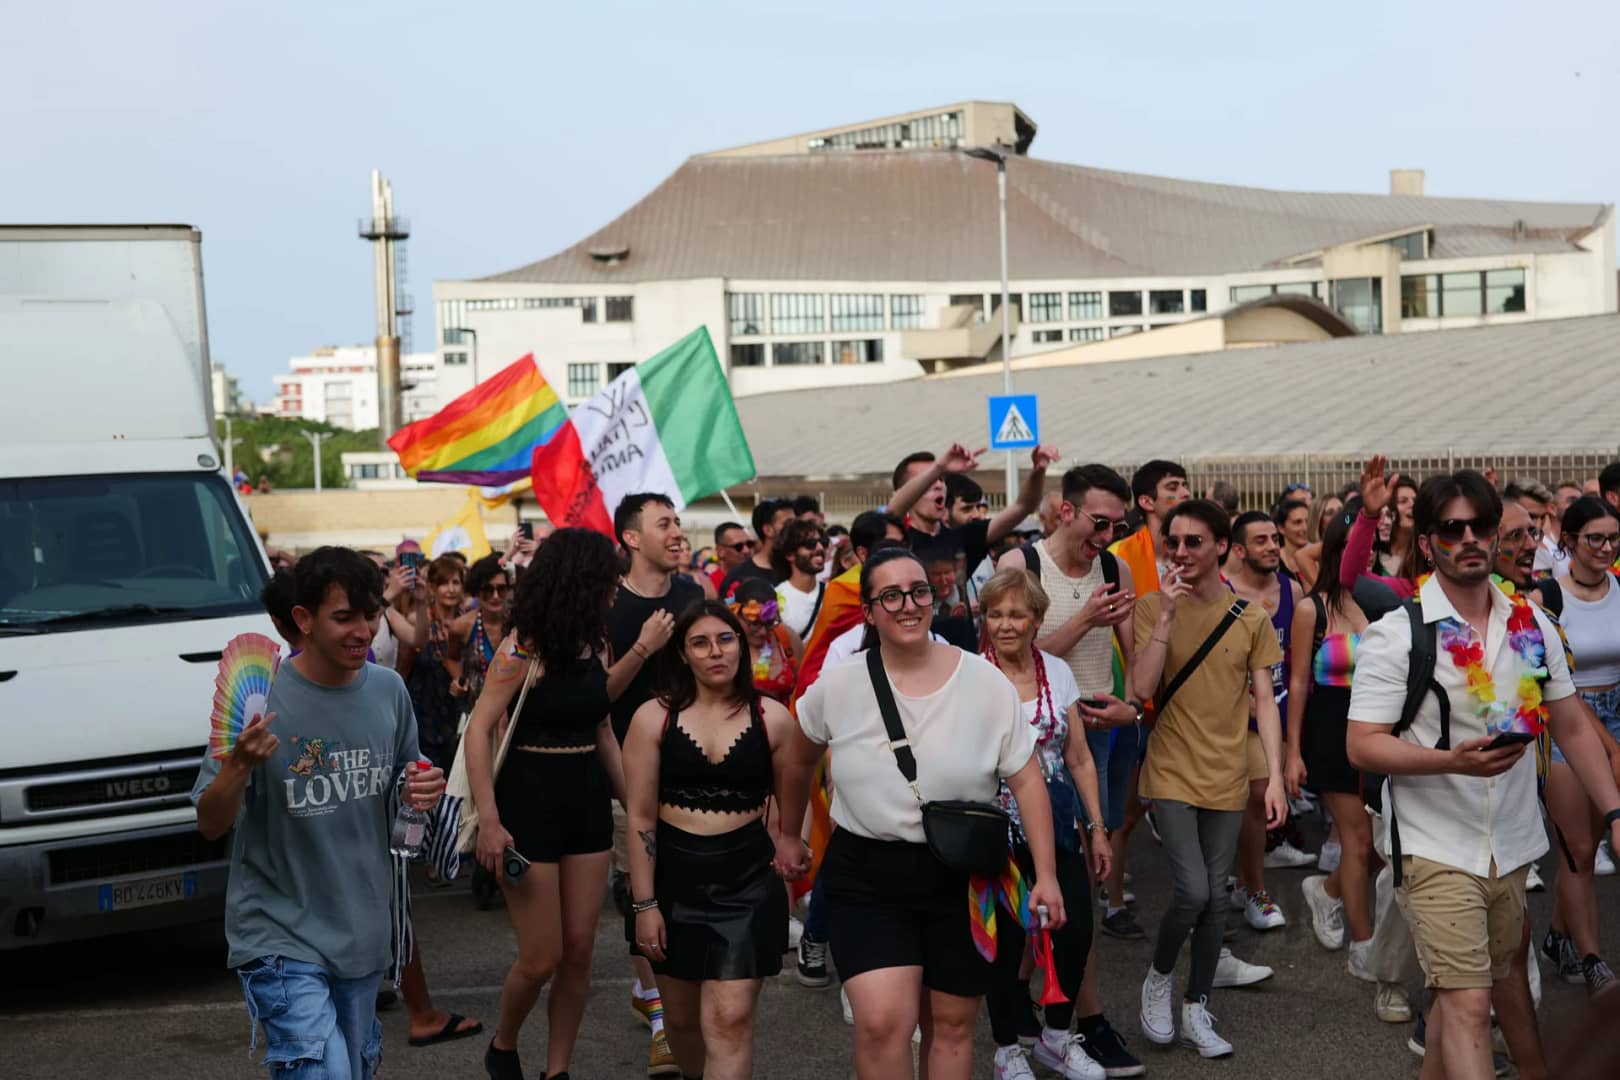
column 136, row 786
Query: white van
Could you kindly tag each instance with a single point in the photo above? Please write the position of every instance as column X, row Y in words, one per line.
column 126, row 564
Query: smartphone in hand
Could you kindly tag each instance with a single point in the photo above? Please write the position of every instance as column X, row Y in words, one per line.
column 1510, row 738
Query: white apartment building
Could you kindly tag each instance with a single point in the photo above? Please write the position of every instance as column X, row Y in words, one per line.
column 869, row 253
column 227, row 394
column 337, row 385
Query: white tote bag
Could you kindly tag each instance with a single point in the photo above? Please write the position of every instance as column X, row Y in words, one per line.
column 500, row 742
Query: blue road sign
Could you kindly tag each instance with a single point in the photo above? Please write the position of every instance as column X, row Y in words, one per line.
column 1015, row 422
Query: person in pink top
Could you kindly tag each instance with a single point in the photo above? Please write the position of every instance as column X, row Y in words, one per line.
column 1376, row 491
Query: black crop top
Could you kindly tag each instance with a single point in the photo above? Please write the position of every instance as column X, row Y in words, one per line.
column 564, row 707
column 738, row 784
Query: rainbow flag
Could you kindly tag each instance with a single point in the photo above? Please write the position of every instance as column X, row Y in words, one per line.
column 488, row 435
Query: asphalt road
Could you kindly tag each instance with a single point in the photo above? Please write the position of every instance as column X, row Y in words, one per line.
column 163, row 1004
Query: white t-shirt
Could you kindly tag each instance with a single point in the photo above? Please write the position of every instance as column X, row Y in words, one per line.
column 798, row 608
column 1052, row 734
column 967, row 736
column 1549, row 560
column 847, row 645
column 385, row 647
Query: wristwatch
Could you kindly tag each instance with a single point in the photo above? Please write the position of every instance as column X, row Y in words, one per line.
column 1611, row 817
column 1137, row 705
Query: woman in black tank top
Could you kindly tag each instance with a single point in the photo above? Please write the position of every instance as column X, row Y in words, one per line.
column 551, row 803
column 701, row 762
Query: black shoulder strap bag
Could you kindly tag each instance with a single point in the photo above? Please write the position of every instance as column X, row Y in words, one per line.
column 968, row 837
column 1232, row 615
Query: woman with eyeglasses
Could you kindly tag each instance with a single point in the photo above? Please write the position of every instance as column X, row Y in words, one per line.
column 1590, row 531
column 902, row 922
column 773, row 649
column 545, row 824
column 482, row 629
column 710, row 915
column 433, row 672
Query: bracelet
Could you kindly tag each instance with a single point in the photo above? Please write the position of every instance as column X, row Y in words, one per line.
column 1611, row 817
column 640, row 650
column 1096, row 825
column 1160, row 641
column 638, row 906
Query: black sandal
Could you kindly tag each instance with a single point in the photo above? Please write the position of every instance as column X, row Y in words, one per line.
column 451, row 1031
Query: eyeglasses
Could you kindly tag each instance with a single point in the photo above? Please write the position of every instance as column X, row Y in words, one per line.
column 1191, row 543
column 1451, row 529
column 725, row 639
column 1599, row 541
column 1515, row 537
column 740, row 546
column 893, row 600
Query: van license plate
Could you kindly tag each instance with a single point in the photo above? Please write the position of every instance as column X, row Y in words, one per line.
column 134, row 894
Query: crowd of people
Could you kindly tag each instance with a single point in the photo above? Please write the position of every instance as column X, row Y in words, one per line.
column 913, row 752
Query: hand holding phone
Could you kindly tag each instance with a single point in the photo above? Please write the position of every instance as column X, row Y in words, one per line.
column 1510, row 738
column 513, row 865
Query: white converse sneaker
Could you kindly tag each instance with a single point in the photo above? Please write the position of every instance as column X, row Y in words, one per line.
column 1262, row 912
column 1198, row 1030
column 1286, row 856
column 1391, row 1005
column 1158, row 1023
column 1065, row 1055
column 1011, row 1064
column 1358, row 958
column 1230, row 972
column 1603, row 865
column 1327, row 914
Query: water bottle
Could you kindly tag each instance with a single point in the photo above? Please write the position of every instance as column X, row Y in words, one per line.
column 409, row 833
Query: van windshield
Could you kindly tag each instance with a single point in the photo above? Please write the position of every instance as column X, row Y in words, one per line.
column 83, row 551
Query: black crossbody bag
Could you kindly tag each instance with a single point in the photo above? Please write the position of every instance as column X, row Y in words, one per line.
column 968, row 837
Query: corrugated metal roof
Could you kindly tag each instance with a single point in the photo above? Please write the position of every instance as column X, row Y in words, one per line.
column 1478, row 391
column 931, row 216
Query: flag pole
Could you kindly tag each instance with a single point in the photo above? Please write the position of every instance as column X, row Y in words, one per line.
column 729, row 504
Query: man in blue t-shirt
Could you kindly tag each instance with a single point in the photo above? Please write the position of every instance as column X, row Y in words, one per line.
column 310, row 790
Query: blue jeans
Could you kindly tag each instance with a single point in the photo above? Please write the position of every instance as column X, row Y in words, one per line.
column 1115, row 753
column 316, row 1026
column 1606, row 704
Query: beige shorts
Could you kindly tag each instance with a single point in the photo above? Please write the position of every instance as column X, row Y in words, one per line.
column 1256, row 752
column 1467, row 929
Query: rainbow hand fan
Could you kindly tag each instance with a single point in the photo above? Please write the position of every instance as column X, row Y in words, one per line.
column 247, row 667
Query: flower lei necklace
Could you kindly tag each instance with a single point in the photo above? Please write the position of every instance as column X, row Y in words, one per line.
column 1527, row 714
column 1046, row 714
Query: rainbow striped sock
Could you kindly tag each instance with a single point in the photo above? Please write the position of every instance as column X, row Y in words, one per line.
column 655, row 1011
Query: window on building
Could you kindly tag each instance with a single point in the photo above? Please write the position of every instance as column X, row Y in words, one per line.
column 1087, row 333
column 747, row 311
column 856, row 311
column 1166, row 302
column 972, row 300
column 367, row 472
column 939, row 130
column 1504, row 291
column 1361, row 302
column 1085, row 305
column 452, row 316
column 1122, row 331
column 1462, row 294
column 906, row 312
column 1420, row 296
column 748, row 356
column 1243, row 294
column 454, row 359
column 1412, row 245
column 796, row 352
column 797, row 313
column 619, row 309
column 1300, row 288
column 1016, row 300
column 1045, row 337
column 543, row 302
column 583, row 380
column 615, row 370
column 587, row 309
column 1045, row 307
column 864, row 351
column 1124, row 303
column 500, row 303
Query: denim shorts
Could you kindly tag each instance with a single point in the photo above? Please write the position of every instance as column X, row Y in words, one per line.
column 316, row 1026
column 1116, row 753
column 1606, row 704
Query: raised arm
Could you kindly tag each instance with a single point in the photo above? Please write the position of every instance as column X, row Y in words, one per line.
column 958, row 459
column 1029, row 495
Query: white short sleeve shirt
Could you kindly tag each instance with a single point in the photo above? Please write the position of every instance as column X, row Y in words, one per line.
column 1460, row 821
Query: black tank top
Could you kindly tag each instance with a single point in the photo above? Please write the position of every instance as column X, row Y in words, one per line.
column 738, row 784
column 564, row 707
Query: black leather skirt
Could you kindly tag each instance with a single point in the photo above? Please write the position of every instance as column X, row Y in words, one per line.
column 725, row 910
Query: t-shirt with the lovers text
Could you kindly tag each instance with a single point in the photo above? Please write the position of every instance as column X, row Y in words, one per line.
column 310, row 870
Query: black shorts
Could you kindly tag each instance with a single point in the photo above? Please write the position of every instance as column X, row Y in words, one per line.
column 555, row 804
column 893, row 904
column 1327, row 764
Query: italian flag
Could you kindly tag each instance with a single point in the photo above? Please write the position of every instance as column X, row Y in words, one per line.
column 668, row 425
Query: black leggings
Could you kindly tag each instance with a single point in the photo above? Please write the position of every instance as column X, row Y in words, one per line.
column 1070, row 945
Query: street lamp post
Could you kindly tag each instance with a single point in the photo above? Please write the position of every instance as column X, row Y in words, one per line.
column 315, row 439
column 999, row 156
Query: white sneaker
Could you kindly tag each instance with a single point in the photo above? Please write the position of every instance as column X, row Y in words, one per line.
column 849, row 1012
column 1303, row 805
column 1157, row 1022
column 1238, row 898
column 1011, row 1064
column 1286, row 856
column 1198, row 1030
column 1328, row 860
column 1603, row 866
column 1262, row 913
column 1065, row 1055
column 1102, row 896
column 1231, row 972
column 795, row 933
column 1532, row 880
column 1391, row 1005
column 1358, row 958
column 1327, row 914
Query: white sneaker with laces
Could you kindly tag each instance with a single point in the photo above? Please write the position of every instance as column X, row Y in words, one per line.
column 1238, row 898
column 1603, row 866
column 1328, row 860
column 1198, row 1030
column 1011, row 1064
column 1532, row 880
column 1065, row 1055
column 795, row 933
column 1286, row 856
column 1391, row 1005
column 1262, row 913
column 1158, row 1023
column 1358, row 958
column 1230, row 972
column 1327, row 914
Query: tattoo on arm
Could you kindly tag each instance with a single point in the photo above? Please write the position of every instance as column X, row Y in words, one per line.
column 648, row 841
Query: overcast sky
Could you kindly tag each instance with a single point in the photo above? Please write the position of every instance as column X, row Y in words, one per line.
column 510, row 130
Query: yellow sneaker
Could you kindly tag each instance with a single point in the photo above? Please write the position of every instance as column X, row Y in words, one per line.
column 660, row 1061
column 641, row 1008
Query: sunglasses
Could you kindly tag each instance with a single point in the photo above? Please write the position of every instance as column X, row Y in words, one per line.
column 893, row 600
column 740, row 546
column 495, row 590
column 1191, row 543
column 1105, row 525
column 1451, row 529
column 1599, row 541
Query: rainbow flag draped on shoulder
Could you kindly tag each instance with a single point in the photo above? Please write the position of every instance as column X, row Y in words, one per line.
column 488, row 435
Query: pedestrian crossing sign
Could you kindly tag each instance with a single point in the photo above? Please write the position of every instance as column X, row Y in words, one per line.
column 1014, row 422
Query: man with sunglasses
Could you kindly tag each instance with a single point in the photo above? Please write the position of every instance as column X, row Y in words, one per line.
column 1463, row 812
column 732, row 545
column 770, row 518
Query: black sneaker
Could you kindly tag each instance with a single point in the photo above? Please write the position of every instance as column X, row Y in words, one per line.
column 1123, row 925
column 1597, row 975
column 1560, row 953
column 1106, row 1047
column 813, row 963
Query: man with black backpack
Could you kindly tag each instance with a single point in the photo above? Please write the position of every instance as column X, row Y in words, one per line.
column 1447, row 694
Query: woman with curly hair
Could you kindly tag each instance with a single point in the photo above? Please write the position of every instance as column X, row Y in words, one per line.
column 551, row 804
